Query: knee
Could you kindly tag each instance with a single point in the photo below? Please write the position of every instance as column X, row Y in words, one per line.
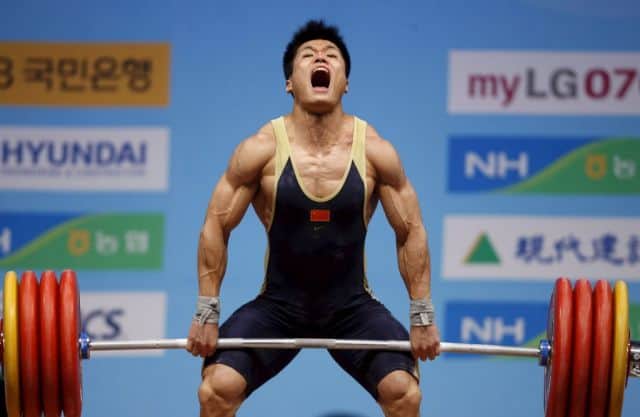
column 399, row 390
column 222, row 389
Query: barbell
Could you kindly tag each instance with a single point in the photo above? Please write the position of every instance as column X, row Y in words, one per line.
column 587, row 362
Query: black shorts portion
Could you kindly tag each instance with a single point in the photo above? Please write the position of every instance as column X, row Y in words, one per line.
column 264, row 318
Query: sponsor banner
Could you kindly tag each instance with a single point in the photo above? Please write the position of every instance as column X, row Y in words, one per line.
column 549, row 83
column 507, row 323
column 84, row 159
column 544, row 165
column 541, row 248
column 81, row 241
column 84, row 74
column 111, row 316
column 495, row 323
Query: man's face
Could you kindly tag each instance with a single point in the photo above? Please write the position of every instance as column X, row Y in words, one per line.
column 319, row 79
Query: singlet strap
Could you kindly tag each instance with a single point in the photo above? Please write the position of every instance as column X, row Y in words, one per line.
column 282, row 146
column 359, row 151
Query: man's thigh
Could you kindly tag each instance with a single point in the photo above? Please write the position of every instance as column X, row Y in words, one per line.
column 257, row 319
column 371, row 321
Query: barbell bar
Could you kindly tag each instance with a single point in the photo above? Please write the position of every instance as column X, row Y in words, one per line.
column 335, row 344
column 73, row 346
column 634, row 360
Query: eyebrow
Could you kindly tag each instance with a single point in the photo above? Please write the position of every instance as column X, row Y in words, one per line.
column 314, row 49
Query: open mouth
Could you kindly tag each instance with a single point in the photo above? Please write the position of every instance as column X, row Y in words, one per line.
column 320, row 78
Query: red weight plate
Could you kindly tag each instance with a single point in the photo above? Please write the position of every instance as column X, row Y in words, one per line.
column 49, row 344
column 602, row 348
column 582, row 335
column 559, row 332
column 28, row 322
column 69, row 348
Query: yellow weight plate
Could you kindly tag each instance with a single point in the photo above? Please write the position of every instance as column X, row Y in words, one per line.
column 620, row 354
column 11, row 360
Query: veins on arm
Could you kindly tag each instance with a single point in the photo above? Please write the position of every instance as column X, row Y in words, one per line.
column 401, row 207
column 230, row 199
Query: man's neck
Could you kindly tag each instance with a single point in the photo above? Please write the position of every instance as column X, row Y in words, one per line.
column 318, row 129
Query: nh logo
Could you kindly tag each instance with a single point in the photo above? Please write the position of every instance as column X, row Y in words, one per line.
column 495, row 165
column 492, row 330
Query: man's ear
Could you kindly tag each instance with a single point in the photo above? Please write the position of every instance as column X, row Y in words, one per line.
column 288, row 87
column 346, row 87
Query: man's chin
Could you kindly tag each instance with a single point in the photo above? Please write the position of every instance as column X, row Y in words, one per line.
column 320, row 105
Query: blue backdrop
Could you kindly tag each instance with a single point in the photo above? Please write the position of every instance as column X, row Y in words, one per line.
column 226, row 81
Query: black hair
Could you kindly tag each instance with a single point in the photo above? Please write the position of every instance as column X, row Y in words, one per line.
column 314, row 29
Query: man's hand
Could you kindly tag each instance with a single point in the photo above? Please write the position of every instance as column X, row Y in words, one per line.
column 425, row 342
column 202, row 339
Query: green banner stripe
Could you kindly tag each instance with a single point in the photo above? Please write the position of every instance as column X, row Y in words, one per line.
column 40, row 242
column 566, row 174
column 634, row 321
column 50, row 250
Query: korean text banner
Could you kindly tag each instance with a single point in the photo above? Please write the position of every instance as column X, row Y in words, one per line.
column 88, row 74
column 540, row 247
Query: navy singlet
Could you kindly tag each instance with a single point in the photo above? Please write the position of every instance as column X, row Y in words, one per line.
column 315, row 259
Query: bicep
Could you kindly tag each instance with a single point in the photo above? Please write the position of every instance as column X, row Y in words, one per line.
column 397, row 195
column 234, row 191
column 229, row 201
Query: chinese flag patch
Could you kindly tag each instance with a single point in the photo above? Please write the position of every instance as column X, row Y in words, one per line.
column 318, row 215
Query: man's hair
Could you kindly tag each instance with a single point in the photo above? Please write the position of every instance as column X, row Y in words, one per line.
column 312, row 30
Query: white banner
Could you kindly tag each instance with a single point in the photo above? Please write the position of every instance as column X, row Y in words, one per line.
column 541, row 248
column 110, row 316
column 546, row 83
column 84, row 159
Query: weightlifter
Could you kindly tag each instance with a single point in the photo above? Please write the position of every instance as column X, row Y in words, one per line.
column 314, row 178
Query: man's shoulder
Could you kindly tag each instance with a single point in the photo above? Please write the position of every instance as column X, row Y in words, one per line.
column 262, row 141
column 375, row 142
column 264, row 134
column 382, row 155
column 255, row 151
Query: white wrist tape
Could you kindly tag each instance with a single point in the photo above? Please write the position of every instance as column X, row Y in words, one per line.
column 207, row 310
column 422, row 313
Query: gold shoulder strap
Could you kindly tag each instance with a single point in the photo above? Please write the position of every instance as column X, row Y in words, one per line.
column 282, row 146
column 359, row 152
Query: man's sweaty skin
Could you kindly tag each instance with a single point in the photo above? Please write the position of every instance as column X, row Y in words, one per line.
column 320, row 137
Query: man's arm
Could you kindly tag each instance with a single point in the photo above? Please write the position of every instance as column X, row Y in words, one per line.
column 400, row 204
column 401, row 207
column 229, row 202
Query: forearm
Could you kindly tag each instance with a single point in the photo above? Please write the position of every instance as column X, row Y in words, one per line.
column 212, row 260
column 226, row 208
column 414, row 262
